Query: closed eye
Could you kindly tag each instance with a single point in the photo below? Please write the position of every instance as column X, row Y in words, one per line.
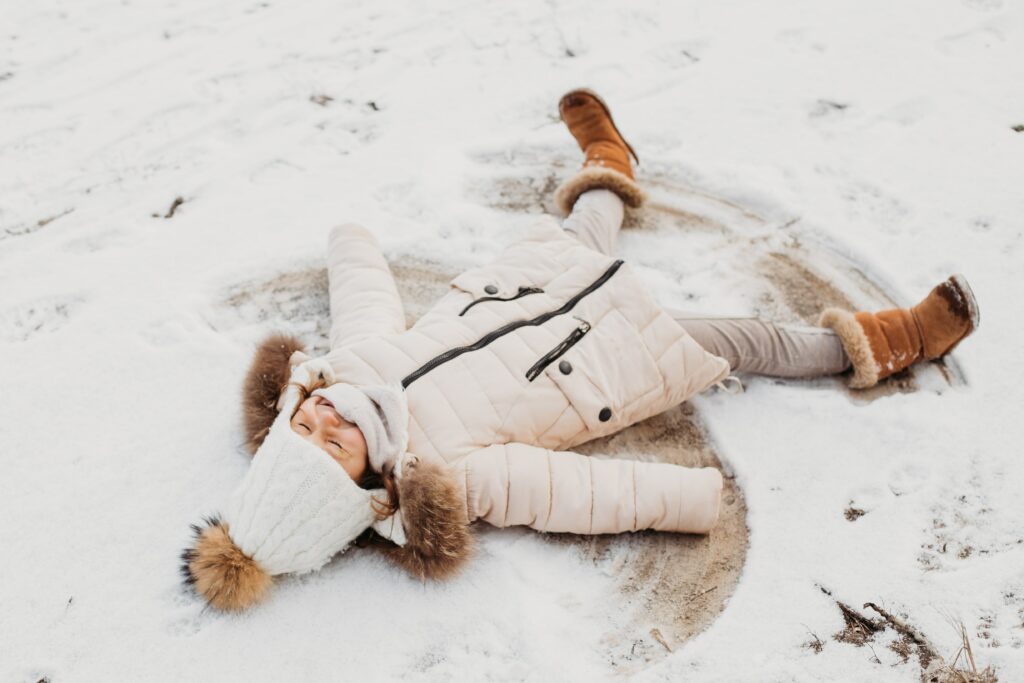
column 335, row 443
column 306, row 427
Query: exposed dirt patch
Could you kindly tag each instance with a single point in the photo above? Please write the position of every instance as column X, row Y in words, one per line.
column 420, row 284
column 521, row 180
column 852, row 514
column 674, row 583
column 803, row 291
column 295, row 301
column 520, row 195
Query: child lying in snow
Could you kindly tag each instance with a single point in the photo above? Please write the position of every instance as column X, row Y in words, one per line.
column 471, row 412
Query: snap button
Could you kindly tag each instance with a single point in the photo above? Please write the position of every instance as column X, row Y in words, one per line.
column 565, row 367
column 491, row 289
column 605, row 414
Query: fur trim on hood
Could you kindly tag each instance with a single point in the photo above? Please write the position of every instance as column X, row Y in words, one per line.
column 433, row 505
column 267, row 376
column 438, row 540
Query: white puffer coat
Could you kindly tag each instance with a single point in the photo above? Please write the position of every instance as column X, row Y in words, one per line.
column 550, row 346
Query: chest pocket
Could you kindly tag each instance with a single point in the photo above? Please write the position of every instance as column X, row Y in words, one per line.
column 488, row 281
column 607, row 375
column 495, row 283
column 522, row 264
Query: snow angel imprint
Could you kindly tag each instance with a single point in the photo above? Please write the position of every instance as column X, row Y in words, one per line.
column 404, row 437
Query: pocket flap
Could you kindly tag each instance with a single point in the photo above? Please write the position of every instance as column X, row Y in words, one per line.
column 489, row 281
column 610, row 371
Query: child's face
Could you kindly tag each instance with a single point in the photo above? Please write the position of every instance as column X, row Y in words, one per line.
column 318, row 422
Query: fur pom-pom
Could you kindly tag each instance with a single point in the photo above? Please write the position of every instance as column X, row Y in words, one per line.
column 220, row 572
column 267, row 376
column 438, row 539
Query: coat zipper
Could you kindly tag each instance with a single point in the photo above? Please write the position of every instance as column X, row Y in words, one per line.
column 523, row 291
column 557, row 352
column 509, row 327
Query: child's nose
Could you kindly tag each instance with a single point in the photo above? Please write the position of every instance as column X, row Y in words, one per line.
column 329, row 418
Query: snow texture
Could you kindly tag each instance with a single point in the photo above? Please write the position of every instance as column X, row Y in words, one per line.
column 871, row 133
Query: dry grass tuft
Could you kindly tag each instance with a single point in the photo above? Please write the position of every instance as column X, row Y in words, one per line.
column 861, row 629
column 957, row 672
column 816, row 644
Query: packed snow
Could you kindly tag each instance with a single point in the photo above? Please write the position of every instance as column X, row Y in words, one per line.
column 887, row 134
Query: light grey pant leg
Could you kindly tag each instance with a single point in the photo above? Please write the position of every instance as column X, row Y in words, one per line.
column 749, row 344
column 595, row 220
column 764, row 348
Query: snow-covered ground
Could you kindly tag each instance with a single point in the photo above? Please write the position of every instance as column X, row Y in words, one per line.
column 882, row 130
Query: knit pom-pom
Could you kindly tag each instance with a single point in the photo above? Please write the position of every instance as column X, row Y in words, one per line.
column 220, row 572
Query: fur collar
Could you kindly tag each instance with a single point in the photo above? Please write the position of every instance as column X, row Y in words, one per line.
column 265, row 380
column 438, row 540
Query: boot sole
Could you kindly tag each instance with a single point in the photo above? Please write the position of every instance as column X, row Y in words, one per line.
column 973, row 312
column 972, row 303
column 608, row 113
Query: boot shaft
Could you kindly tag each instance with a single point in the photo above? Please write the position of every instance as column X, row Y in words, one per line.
column 590, row 122
column 606, row 154
column 894, row 338
column 883, row 343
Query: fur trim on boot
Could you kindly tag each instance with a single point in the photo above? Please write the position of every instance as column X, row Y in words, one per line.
column 438, row 539
column 856, row 344
column 598, row 178
column 220, row 572
column 883, row 343
column 267, row 376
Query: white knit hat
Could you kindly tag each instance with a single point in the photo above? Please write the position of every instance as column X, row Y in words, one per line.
column 295, row 509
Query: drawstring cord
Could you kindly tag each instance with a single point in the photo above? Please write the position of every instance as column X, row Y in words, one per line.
column 724, row 386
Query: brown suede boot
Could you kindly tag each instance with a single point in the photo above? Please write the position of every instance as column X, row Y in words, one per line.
column 607, row 165
column 881, row 344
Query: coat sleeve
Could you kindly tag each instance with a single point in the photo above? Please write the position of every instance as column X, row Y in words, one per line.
column 364, row 298
column 513, row 484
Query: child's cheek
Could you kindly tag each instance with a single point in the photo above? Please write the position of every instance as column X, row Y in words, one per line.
column 357, row 443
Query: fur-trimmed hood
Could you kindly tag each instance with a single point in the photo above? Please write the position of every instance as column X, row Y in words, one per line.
column 432, row 503
column 265, row 380
column 431, row 497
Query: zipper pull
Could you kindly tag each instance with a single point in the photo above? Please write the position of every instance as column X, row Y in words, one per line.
column 584, row 326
